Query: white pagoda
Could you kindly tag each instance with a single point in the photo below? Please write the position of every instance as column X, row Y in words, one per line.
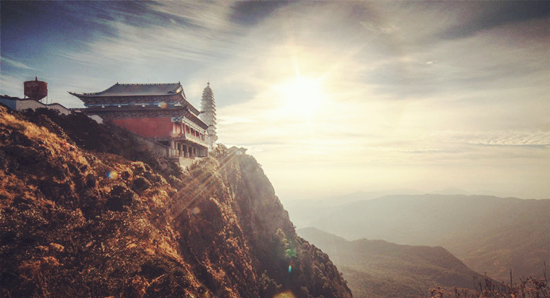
column 208, row 115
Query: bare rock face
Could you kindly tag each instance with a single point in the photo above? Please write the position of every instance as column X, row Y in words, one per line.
column 77, row 219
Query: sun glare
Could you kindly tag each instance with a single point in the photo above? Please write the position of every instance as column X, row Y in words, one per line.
column 301, row 95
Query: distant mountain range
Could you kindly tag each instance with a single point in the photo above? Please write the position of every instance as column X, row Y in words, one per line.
column 376, row 268
column 323, row 206
column 489, row 234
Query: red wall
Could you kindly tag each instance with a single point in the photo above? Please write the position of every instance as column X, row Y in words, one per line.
column 147, row 127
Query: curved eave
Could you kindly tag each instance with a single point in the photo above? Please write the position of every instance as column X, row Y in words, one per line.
column 192, row 108
column 182, row 92
column 178, row 89
column 197, row 121
column 130, row 109
column 122, row 96
column 100, row 92
column 88, row 99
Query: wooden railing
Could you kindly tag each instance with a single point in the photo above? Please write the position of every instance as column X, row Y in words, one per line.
column 191, row 138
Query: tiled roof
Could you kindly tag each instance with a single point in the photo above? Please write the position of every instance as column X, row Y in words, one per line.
column 138, row 90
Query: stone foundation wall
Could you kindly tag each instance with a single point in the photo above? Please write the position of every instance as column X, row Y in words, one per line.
column 166, row 151
column 156, row 148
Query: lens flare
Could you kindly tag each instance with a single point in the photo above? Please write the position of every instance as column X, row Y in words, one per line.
column 289, row 268
column 112, row 175
column 286, row 294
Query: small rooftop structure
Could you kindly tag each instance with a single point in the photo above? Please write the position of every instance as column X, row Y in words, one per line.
column 35, row 89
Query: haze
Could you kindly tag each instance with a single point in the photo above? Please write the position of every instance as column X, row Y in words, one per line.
column 330, row 97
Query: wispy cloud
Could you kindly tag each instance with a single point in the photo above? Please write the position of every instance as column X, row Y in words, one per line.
column 181, row 38
column 486, row 15
column 14, row 63
column 229, row 120
column 497, row 138
column 11, row 85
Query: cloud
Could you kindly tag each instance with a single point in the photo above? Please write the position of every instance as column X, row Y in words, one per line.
column 484, row 15
column 251, row 13
column 16, row 64
column 498, row 138
column 385, row 30
column 167, row 33
column 228, row 120
column 11, row 85
column 212, row 16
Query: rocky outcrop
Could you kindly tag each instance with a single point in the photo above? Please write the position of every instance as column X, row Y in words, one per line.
column 77, row 219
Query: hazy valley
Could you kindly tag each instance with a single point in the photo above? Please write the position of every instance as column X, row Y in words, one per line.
column 376, row 268
column 489, row 234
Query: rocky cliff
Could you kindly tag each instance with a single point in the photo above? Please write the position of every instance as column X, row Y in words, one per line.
column 86, row 212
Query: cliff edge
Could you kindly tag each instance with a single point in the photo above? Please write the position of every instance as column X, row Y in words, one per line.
column 86, row 212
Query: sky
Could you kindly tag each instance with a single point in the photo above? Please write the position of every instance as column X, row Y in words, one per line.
column 330, row 97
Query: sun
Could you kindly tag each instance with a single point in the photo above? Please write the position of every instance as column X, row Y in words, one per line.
column 301, row 95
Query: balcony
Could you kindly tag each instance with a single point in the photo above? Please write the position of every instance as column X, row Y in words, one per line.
column 188, row 137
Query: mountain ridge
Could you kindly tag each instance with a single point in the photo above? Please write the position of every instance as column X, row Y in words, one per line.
column 86, row 212
column 377, row 268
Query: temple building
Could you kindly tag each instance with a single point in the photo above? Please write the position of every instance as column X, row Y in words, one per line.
column 158, row 112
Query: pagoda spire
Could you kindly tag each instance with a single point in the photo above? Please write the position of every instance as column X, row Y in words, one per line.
column 208, row 114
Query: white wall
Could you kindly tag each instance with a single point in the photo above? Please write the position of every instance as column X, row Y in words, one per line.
column 33, row 105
